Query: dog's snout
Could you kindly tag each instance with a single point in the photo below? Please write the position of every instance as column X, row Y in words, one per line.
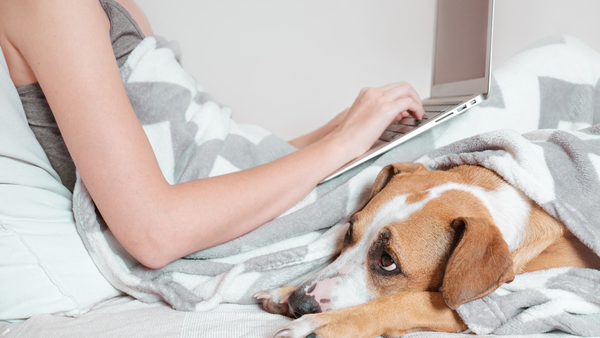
column 301, row 304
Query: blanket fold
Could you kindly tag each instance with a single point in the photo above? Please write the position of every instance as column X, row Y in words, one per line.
column 560, row 171
column 194, row 137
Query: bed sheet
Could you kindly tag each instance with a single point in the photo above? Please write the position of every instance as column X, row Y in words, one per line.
column 127, row 317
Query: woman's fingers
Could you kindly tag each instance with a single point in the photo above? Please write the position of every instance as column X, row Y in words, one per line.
column 387, row 103
column 375, row 108
column 404, row 90
column 395, row 84
column 405, row 107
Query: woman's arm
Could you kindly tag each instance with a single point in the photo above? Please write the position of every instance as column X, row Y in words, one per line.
column 318, row 134
column 67, row 45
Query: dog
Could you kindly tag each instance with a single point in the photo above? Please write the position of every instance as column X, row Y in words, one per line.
column 425, row 243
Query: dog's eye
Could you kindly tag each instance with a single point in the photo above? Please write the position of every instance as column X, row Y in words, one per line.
column 387, row 262
column 348, row 237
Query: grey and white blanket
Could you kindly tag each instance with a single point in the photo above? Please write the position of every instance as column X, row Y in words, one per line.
column 560, row 171
column 553, row 85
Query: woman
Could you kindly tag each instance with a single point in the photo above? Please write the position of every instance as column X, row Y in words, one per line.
column 65, row 46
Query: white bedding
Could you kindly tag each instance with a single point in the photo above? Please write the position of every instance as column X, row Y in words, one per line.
column 127, row 317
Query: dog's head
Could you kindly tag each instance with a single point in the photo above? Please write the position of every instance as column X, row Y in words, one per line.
column 421, row 230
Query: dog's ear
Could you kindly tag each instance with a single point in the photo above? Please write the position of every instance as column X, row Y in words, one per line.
column 480, row 263
column 389, row 171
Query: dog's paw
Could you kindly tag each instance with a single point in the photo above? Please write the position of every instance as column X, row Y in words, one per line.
column 302, row 327
column 275, row 301
column 330, row 324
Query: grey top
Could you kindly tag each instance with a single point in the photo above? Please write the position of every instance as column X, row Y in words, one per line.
column 125, row 36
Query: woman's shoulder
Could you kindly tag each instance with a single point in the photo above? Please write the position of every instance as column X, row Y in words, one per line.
column 22, row 22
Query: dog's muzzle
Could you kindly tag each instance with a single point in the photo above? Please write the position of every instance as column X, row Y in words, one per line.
column 300, row 303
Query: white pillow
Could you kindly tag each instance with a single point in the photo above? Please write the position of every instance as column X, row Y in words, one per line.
column 44, row 267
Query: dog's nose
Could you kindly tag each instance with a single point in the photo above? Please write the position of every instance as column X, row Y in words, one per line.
column 301, row 304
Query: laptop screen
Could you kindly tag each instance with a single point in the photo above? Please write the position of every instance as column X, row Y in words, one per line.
column 461, row 40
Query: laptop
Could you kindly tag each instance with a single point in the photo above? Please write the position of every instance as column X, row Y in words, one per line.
column 462, row 63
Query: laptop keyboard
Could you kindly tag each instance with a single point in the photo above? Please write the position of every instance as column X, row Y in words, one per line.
column 408, row 124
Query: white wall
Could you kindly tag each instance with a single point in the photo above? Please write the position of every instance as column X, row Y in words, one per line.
column 291, row 65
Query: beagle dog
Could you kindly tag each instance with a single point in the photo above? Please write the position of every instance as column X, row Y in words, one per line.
column 425, row 243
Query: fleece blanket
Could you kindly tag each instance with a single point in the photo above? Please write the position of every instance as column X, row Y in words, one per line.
column 552, row 84
column 560, row 171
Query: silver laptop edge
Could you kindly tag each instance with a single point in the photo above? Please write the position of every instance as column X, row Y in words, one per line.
column 457, row 91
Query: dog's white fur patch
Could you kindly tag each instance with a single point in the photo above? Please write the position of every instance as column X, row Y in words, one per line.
column 508, row 206
column 343, row 283
column 298, row 328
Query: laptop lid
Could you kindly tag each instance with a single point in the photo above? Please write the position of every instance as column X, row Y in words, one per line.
column 462, row 47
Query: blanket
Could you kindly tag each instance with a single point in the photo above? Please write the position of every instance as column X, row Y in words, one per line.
column 560, row 171
column 552, row 84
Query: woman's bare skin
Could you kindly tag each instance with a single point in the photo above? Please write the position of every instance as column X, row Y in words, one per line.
column 65, row 46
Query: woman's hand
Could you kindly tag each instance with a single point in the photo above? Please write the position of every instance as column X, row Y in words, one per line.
column 373, row 111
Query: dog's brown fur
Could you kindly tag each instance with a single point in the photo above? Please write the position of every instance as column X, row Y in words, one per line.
column 448, row 258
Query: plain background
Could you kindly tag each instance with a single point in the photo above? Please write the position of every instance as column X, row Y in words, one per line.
column 292, row 65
